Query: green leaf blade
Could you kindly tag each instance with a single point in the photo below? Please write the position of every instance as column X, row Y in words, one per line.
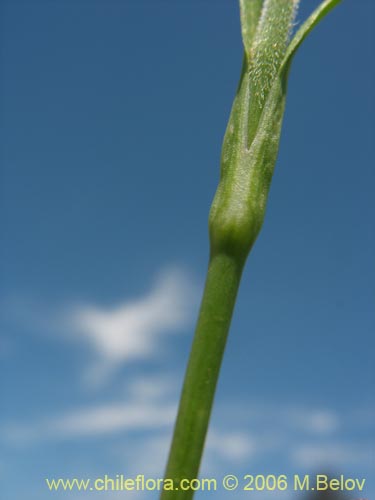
column 313, row 20
column 270, row 44
column 250, row 11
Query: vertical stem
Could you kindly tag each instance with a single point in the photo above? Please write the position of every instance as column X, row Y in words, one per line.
column 249, row 154
column 223, row 279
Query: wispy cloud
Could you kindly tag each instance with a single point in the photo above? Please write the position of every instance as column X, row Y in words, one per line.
column 147, row 404
column 145, row 414
column 316, row 421
column 134, row 330
column 235, row 446
column 156, row 387
column 112, row 418
column 333, row 455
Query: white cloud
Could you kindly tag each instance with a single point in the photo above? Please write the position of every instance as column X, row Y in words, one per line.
column 95, row 421
column 149, row 456
column 222, row 449
column 287, row 418
column 134, row 330
column 146, row 419
column 112, row 418
column 155, row 387
column 155, row 417
column 147, row 404
column 317, row 421
column 332, row 455
column 144, row 414
column 233, row 446
column 131, row 331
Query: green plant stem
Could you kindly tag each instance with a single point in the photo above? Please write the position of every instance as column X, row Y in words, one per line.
column 249, row 154
column 223, row 279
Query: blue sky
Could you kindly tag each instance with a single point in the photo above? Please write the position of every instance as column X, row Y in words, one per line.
column 112, row 118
